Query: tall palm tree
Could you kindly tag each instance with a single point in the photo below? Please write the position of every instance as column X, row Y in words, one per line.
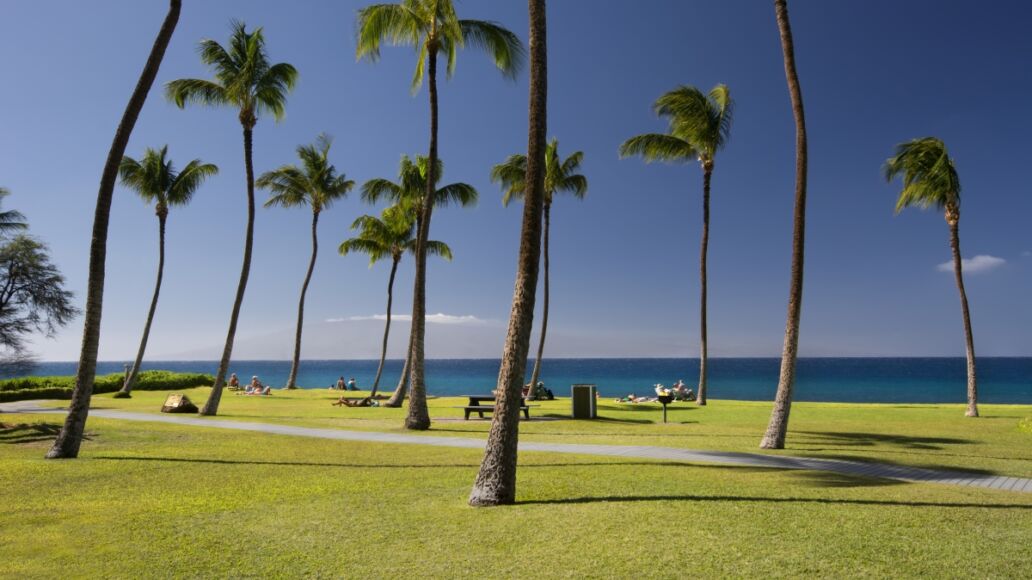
column 66, row 446
column 560, row 177
column 496, row 480
column 244, row 79
column 10, row 221
column 411, row 191
column 774, row 438
column 155, row 179
column 930, row 180
column 388, row 236
column 315, row 184
column 700, row 125
column 432, row 27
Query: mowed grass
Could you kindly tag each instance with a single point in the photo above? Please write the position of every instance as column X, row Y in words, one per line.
column 157, row 500
column 935, row 436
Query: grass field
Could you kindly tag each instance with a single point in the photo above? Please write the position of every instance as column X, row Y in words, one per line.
column 148, row 500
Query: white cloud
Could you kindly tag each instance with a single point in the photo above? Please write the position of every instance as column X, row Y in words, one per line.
column 1026, row 254
column 439, row 318
column 980, row 263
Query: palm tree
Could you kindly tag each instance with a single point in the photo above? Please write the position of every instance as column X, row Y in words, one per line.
column 10, row 221
column 317, row 185
column 560, row 177
column 496, row 480
column 700, row 125
column 432, row 27
column 930, row 180
column 411, row 191
column 244, row 79
column 774, row 438
column 379, row 238
column 66, row 446
column 155, row 179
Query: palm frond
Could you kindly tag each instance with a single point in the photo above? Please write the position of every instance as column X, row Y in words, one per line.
column 188, row 181
column 436, row 248
column 505, row 47
column 462, row 194
column 511, row 174
column 10, row 220
column 658, row 147
column 197, row 91
column 380, row 189
column 396, row 24
column 929, row 176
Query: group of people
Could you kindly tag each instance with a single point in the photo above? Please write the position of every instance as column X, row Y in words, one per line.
column 678, row 390
column 350, row 385
column 254, row 388
column 537, row 392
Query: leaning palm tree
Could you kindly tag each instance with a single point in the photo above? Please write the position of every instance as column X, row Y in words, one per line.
column 245, row 80
column 432, row 27
column 496, row 480
column 410, row 191
column 930, row 180
column 777, row 429
column 10, row 221
column 315, row 184
column 155, row 179
column 700, row 125
column 560, row 177
column 388, row 236
column 66, row 446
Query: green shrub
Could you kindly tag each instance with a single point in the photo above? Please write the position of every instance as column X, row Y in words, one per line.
column 61, row 387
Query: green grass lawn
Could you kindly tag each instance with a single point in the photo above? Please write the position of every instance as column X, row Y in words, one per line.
column 148, row 499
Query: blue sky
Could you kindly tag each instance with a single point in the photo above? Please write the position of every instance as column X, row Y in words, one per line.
column 625, row 259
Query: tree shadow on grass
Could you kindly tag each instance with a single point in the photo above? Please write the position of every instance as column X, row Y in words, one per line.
column 31, row 433
column 872, row 439
column 748, row 499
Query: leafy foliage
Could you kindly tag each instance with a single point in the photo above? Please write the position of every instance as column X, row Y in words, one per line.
column 432, row 26
column 61, row 387
column 155, row 179
column 699, row 126
column 929, row 177
column 10, row 221
column 560, row 175
column 32, row 294
column 243, row 78
column 410, row 189
column 389, row 236
column 315, row 184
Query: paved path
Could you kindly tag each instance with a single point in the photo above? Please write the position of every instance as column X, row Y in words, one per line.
column 854, row 468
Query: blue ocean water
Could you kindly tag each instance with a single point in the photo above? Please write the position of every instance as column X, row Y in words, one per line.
column 869, row 380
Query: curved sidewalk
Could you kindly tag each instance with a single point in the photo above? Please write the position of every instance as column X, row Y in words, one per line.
column 854, row 468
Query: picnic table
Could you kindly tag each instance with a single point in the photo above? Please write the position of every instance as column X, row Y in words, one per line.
column 477, row 404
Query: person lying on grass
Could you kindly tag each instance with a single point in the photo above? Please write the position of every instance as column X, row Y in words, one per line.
column 351, row 402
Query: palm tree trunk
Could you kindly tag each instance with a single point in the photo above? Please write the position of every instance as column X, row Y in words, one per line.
column 544, row 306
column 66, row 446
column 972, row 386
column 292, row 379
column 211, row 406
column 418, row 415
column 399, row 392
column 774, row 438
column 496, row 481
column 387, row 327
column 707, row 172
column 130, row 381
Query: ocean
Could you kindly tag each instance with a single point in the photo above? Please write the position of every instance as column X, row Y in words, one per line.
column 861, row 380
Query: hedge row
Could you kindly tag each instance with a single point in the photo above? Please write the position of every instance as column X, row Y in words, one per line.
column 61, row 387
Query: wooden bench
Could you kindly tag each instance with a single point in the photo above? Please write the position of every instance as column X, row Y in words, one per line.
column 481, row 409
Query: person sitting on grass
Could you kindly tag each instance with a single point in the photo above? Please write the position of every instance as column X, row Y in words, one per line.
column 341, row 385
column 234, row 382
column 352, row 385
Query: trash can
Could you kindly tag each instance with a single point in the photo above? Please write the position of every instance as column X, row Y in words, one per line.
column 583, row 401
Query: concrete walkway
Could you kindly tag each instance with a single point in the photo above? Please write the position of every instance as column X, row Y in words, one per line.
column 853, row 468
